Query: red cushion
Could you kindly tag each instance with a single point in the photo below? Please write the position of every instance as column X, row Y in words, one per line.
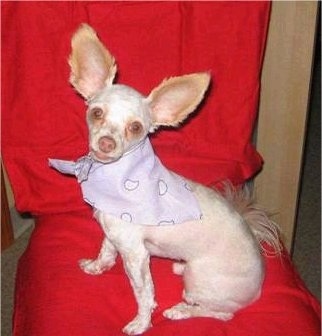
column 54, row 297
column 43, row 117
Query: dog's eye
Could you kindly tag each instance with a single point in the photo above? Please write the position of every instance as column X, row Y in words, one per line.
column 135, row 127
column 97, row 113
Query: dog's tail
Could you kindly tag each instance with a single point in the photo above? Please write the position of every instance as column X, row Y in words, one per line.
column 263, row 228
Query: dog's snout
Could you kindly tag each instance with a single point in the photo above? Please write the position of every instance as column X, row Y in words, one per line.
column 106, row 144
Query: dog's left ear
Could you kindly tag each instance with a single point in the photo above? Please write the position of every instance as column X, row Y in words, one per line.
column 175, row 98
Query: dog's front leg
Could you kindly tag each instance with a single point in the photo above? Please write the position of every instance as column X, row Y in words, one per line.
column 104, row 261
column 129, row 242
column 137, row 266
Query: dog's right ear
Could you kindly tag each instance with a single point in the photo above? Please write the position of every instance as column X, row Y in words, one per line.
column 92, row 65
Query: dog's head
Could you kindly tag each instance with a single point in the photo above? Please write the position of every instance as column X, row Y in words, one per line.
column 118, row 116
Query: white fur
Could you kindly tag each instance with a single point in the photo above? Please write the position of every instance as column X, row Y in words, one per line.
column 219, row 256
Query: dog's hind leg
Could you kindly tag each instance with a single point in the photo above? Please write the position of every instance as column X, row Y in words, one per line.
column 195, row 308
column 184, row 310
column 104, row 261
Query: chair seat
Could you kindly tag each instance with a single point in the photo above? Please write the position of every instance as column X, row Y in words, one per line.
column 54, row 296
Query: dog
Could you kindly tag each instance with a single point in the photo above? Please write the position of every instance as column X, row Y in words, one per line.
column 214, row 238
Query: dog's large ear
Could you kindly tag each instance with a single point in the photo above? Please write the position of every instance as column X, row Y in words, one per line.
column 175, row 98
column 92, row 66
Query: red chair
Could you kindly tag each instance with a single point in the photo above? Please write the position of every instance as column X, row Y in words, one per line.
column 43, row 117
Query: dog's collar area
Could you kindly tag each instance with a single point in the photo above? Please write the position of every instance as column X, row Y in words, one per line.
column 130, row 150
column 137, row 188
column 134, row 148
column 82, row 166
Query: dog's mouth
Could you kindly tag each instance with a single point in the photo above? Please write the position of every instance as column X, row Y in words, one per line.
column 102, row 157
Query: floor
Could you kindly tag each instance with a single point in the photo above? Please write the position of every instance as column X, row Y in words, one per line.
column 9, row 260
column 307, row 243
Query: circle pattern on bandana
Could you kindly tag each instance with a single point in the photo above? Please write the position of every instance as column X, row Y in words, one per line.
column 166, row 222
column 163, row 187
column 126, row 217
column 131, row 185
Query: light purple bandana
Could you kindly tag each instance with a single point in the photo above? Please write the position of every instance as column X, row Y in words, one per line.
column 136, row 188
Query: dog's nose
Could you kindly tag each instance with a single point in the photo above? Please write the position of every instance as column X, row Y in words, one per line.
column 106, row 144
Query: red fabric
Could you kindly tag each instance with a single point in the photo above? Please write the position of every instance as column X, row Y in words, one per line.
column 43, row 117
column 54, row 297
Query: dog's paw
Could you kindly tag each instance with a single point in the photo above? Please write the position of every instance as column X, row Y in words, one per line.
column 184, row 310
column 178, row 312
column 137, row 326
column 91, row 266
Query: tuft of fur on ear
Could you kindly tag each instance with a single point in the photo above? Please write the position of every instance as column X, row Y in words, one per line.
column 175, row 98
column 92, row 65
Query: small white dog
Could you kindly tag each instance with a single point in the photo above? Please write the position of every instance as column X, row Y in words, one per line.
column 215, row 240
